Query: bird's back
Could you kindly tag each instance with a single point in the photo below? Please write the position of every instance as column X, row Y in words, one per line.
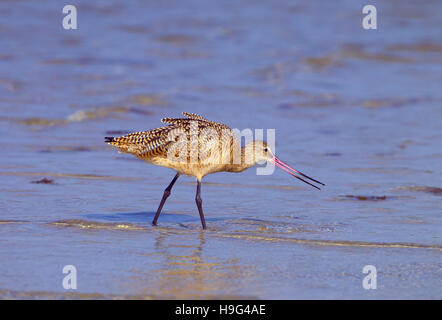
column 192, row 145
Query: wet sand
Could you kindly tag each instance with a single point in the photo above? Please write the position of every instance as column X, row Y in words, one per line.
column 356, row 109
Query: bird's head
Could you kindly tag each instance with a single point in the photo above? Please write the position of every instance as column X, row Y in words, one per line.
column 260, row 152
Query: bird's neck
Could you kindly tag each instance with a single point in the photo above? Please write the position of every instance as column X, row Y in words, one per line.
column 245, row 163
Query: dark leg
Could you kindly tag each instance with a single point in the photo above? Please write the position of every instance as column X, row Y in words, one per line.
column 199, row 203
column 163, row 200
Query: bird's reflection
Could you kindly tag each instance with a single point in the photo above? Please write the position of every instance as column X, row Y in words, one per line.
column 184, row 271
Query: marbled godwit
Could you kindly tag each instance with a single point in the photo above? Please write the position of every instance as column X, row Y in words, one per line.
column 196, row 146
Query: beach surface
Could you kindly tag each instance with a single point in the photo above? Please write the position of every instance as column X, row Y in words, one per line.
column 359, row 110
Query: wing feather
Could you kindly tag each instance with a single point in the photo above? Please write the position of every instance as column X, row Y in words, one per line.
column 160, row 141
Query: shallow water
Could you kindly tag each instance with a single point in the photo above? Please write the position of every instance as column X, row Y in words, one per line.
column 359, row 110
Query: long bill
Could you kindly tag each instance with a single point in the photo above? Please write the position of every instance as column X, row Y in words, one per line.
column 294, row 172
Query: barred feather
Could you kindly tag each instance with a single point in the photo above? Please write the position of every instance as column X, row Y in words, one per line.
column 212, row 140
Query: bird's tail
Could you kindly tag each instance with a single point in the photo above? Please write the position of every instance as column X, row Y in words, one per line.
column 130, row 143
column 119, row 142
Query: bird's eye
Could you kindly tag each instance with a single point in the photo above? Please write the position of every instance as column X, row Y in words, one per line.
column 265, row 150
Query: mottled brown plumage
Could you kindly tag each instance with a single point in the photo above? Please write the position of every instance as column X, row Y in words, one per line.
column 193, row 146
column 196, row 146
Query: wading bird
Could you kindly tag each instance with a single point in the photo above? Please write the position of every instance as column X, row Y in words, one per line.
column 196, row 146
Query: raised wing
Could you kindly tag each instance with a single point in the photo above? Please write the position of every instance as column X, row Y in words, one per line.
column 192, row 133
